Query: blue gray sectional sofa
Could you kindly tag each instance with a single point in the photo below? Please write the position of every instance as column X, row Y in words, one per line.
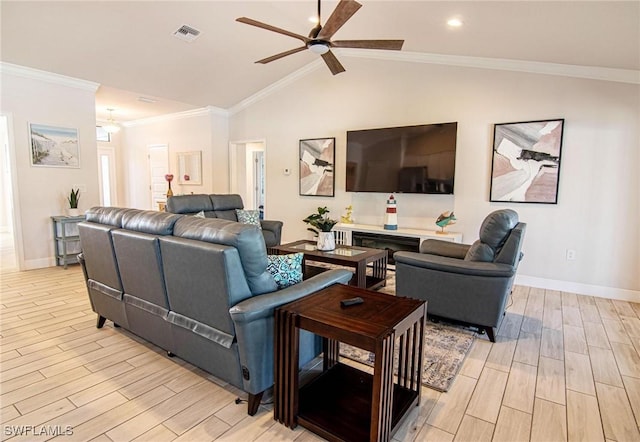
column 197, row 287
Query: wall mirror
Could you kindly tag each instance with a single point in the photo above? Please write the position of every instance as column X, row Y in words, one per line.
column 190, row 167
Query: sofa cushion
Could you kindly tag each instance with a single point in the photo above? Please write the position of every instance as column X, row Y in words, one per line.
column 247, row 239
column 248, row 217
column 286, row 269
column 111, row 216
column 480, row 251
column 186, row 204
column 150, row 221
column 226, row 202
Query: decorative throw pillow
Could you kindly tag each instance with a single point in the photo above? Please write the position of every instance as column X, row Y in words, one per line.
column 200, row 214
column 248, row 217
column 285, row 269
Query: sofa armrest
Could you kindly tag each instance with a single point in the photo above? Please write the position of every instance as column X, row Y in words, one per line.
column 253, row 319
column 454, row 265
column 444, row 248
column 263, row 306
column 273, row 226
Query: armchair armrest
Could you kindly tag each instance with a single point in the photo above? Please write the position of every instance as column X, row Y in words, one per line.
column 444, row 248
column 273, row 226
column 454, row 265
column 263, row 306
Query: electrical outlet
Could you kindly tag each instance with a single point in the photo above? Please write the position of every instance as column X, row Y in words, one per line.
column 571, row 255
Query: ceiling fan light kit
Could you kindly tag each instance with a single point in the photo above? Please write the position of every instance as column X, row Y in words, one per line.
column 318, row 48
column 319, row 39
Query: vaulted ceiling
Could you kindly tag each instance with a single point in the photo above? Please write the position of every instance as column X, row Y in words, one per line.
column 128, row 47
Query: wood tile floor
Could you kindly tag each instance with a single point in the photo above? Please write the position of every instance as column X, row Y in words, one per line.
column 565, row 367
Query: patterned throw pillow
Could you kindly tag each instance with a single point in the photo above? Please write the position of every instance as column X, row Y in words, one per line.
column 248, row 217
column 200, row 214
column 285, row 269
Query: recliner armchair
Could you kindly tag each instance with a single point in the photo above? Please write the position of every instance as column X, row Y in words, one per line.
column 469, row 284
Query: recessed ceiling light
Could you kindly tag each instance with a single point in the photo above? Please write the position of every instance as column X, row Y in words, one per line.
column 454, row 22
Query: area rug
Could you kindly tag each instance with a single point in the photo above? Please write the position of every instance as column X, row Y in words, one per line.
column 445, row 348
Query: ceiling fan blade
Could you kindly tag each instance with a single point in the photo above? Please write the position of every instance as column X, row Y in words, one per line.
column 393, row 45
column 340, row 15
column 280, row 55
column 333, row 63
column 252, row 22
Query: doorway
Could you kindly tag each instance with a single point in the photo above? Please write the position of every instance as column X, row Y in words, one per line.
column 158, row 168
column 8, row 258
column 247, row 173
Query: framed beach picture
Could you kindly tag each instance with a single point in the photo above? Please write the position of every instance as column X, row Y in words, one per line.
column 53, row 146
column 526, row 162
column 317, row 158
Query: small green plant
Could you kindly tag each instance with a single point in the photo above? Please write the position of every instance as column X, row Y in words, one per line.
column 73, row 198
column 320, row 221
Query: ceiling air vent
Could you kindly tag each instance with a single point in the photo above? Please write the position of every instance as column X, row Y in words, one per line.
column 186, row 33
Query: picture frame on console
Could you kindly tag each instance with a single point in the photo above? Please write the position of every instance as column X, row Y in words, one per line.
column 317, row 164
column 526, row 161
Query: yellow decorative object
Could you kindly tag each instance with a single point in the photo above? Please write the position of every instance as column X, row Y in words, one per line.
column 346, row 219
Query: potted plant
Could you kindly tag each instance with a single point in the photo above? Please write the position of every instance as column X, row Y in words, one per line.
column 73, row 199
column 322, row 227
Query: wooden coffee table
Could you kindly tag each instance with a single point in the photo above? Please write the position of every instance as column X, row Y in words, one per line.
column 349, row 256
column 344, row 403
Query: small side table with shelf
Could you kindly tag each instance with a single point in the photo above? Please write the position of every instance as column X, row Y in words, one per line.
column 66, row 240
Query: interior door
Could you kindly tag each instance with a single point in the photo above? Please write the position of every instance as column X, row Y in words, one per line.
column 158, row 168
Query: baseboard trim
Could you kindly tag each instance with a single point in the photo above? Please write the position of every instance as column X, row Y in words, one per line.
column 579, row 288
column 41, row 263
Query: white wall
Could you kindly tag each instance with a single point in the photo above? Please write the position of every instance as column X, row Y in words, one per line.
column 598, row 208
column 41, row 191
column 204, row 131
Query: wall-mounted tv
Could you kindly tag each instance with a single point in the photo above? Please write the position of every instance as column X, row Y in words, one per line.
column 409, row 159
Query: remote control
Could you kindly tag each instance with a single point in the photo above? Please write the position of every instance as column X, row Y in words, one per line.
column 352, row 301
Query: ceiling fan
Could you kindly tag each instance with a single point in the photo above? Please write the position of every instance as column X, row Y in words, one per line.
column 319, row 39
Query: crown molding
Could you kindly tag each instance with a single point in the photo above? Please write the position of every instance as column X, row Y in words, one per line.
column 50, row 77
column 280, row 84
column 534, row 67
column 208, row 110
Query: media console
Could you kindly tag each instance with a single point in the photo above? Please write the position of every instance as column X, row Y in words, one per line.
column 377, row 237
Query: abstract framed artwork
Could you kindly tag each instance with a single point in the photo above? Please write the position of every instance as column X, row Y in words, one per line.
column 317, row 158
column 526, row 162
column 53, row 146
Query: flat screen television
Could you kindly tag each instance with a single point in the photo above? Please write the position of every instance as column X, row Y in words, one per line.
column 409, row 159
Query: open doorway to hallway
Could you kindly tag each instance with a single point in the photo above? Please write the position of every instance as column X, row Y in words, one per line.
column 7, row 237
column 247, row 173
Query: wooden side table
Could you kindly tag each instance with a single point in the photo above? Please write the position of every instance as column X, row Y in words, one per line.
column 344, row 403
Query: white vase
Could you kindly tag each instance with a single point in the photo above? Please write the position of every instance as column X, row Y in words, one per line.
column 73, row 212
column 326, row 241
